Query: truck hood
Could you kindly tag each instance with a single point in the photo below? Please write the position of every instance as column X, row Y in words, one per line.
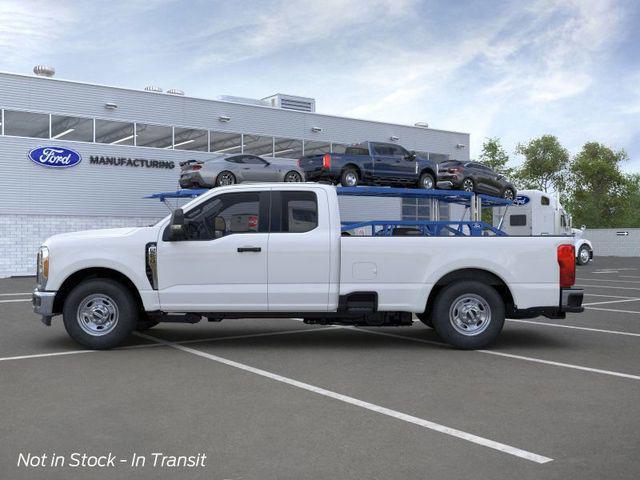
column 102, row 235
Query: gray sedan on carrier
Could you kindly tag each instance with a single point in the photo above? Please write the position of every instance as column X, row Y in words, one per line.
column 230, row 169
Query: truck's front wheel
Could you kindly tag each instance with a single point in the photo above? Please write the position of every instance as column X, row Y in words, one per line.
column 100, row 313
column 468, row 314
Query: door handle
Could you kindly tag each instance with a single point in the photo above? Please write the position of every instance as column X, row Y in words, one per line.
column 249, row 249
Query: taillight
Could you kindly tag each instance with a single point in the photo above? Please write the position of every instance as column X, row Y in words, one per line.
column 455, row 169
column 567, row 262
column 196, row 167
column 326, row 161
column 298, row 162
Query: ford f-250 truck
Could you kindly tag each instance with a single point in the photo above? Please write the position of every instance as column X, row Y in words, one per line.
column 278, row 250
column 372, row 163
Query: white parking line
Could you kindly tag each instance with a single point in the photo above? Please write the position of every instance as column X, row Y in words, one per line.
column 469, row 437
column 14, row 294
column 612, row 301
column 509, row 355
column 610, row 286
column 155, row 344
column 574, row 327
column 606, row 280
column 611, row 310
column 16, row 300
column 605, row 296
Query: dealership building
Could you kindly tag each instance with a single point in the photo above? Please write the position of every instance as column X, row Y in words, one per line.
column 128, row 144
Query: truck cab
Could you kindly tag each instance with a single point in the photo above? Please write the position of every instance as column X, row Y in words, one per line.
column 537, row 213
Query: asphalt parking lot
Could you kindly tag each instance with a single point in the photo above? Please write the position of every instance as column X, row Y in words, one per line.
column 266, row 399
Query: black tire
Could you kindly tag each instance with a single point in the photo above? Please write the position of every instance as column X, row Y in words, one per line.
column 289, row 177
column 581, row 250
column 425, row 318
column 475, row 335
column 427, row 179
column 349, row 177
column 222, row 176
column 468, row 185
column 508, row 194
column 84, row 294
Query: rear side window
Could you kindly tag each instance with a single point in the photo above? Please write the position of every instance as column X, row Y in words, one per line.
column 294, row 212
column 518, row 220
column 544, row 201
column 357, row 151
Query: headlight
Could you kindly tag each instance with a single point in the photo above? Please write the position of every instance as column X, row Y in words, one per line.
column 43, row 267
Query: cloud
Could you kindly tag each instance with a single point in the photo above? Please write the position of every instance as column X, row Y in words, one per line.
column 29, row 28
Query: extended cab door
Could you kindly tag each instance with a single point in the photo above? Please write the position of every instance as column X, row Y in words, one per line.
column 221, row 263
column 391, row 163
column 300, row 256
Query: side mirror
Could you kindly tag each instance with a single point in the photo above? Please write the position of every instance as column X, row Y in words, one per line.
column 411, row 155
column 176, row 227
column 219, row 227
column 583, row 227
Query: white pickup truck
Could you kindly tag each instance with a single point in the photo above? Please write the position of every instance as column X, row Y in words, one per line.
column 278, row 250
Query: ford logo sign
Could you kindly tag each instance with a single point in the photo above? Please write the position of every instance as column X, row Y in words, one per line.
column 521, row 200
column 55, row 157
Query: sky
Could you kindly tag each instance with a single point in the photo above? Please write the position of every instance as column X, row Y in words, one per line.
column 509, row 69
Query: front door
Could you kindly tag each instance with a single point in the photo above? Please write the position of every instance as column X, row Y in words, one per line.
column 221, row 262
column 391, row 164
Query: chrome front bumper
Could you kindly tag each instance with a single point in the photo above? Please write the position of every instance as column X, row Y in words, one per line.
column 43, row 304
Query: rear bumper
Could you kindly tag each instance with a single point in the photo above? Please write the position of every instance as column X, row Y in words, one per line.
column 43, row 304
column 192, row 179
column 570, row 302
column 319, row 174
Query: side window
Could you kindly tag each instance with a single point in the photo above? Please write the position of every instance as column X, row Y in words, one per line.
column 253, row 160
column 238, row 159
column 397, row 151
column 298, row 212
column 228, row 214
column 544, row 200
column 381, row 149
column 518, row 220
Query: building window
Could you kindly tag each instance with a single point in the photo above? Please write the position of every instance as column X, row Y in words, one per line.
column 316, row 148
column 114, row 133
column 26, row 124
column 157, row 136
column 258, row 145
column 226, row 143
column 71, row 128
column 287, row 148
column 190, row 139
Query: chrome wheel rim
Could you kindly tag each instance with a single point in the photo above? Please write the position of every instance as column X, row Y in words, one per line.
column 97, row 314
column 470, row 314
column 508, row 194
column 350, row 179
column 226, row 179
column 467, row 185
column 293, row 177
column 427, row 183
column 584, row 255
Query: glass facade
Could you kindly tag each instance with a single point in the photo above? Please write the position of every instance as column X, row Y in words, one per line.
column 117, row 132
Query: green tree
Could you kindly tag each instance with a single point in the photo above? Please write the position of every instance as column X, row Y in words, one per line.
column 495, row 156
column 545, row 164
column 601, row 195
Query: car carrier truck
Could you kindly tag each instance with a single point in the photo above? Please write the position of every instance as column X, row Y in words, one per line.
column 281, row 250
column 535, row 212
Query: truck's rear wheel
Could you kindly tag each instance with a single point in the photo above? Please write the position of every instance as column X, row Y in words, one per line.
column 349, row 177
column 468, row 314
column 100, row 313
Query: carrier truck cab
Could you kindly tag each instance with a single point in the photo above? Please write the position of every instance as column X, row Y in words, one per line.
column 538, row 213
column 277, row 250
